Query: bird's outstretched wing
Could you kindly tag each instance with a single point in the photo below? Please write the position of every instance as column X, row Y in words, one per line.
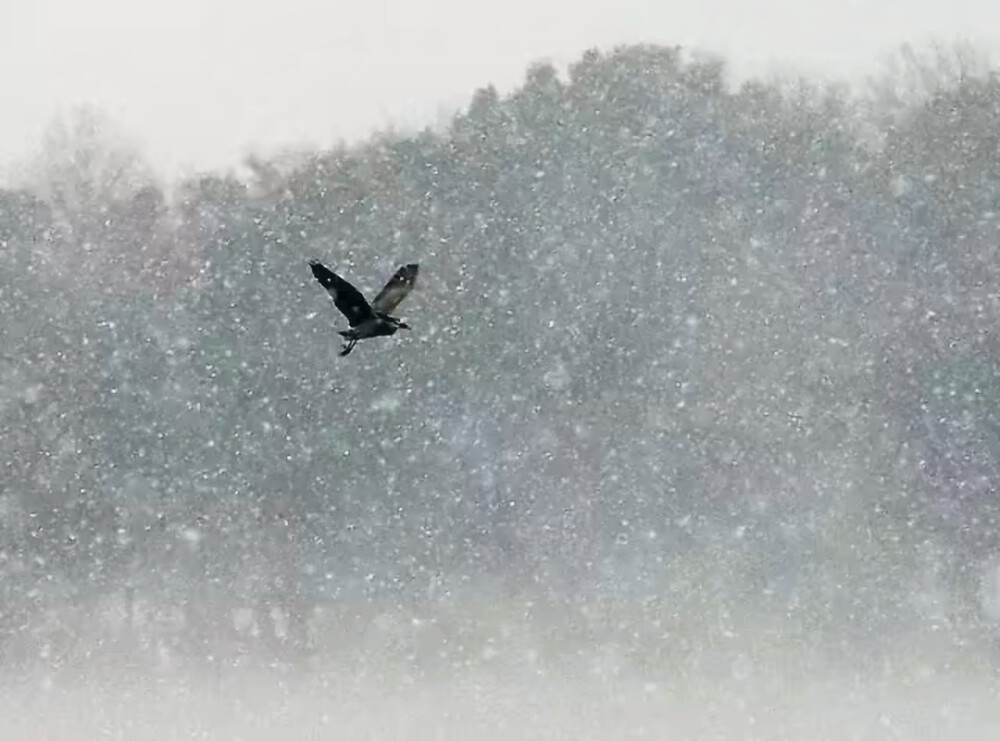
column 348, row 299
column 396, row 289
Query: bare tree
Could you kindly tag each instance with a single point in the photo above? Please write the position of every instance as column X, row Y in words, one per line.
column 102, row 193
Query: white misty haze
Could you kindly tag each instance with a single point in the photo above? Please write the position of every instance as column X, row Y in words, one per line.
column 199, row 82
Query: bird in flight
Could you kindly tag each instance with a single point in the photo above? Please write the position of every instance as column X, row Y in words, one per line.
column 366, row 320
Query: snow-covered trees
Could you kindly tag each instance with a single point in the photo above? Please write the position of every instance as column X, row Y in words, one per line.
column 661, row 319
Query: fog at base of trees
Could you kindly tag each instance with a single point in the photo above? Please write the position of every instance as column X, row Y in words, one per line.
column 718, row 351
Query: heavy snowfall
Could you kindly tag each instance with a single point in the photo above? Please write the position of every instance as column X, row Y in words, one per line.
column 696, row 433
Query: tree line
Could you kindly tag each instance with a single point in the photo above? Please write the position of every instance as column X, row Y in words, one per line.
column 674, row 339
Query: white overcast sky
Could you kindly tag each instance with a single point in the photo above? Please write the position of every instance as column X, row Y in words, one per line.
column 201, row 82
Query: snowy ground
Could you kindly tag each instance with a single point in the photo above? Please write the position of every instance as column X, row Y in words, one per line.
column 597, row 697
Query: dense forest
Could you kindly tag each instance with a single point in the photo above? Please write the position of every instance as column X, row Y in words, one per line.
column 726, row 352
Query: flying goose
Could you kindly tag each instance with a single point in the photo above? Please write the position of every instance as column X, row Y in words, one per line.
column 367, row 320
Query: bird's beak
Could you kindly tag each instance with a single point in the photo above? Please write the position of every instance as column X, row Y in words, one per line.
column 403, row 325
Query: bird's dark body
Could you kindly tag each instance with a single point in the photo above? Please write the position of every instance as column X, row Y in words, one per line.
column 367, row 320
column 382, row 326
